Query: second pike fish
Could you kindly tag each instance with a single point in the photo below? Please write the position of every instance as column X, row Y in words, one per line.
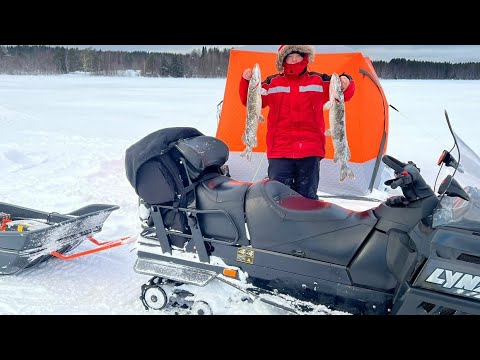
column 338, row 130
column 254, row 112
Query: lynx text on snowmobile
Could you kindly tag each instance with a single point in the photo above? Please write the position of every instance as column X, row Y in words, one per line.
column 413, row 254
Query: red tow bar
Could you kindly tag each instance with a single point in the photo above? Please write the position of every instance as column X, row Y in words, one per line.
column 101, row 247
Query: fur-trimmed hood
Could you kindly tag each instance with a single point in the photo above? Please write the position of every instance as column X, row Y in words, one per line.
column 285, row 50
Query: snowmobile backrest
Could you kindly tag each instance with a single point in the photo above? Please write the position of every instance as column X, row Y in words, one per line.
column 202, row 153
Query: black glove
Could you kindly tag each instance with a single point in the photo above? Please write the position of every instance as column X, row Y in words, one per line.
column 397, row 201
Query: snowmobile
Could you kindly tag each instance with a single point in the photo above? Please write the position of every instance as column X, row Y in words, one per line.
column 29, row 237
column 417, row 252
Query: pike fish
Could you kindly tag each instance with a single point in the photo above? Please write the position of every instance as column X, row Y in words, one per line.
column 338, row 131
column 254, row 109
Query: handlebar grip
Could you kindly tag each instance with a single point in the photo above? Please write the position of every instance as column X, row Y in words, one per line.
column 395, row 184
column 405, row 179
column 393, row 163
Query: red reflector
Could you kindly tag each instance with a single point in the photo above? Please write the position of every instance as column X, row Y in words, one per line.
column 440, row 160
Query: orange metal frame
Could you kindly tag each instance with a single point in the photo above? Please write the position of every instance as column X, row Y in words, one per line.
column 102, row 246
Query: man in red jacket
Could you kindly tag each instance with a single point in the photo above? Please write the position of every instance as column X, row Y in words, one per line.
column 296, row 125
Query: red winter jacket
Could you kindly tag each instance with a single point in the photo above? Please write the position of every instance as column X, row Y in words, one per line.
column 296, row 125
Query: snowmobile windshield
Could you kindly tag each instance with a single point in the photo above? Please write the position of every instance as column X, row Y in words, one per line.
column 453, row 211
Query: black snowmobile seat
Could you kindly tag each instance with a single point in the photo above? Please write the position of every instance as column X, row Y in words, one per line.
column 279, row 219
column 201, row 153
column 223, row 193
column 295, row 207
column 300, row 203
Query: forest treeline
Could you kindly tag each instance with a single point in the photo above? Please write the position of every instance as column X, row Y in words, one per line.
column 202, row 63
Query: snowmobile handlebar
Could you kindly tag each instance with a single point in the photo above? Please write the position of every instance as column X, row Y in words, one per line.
column 404, row 179
column 408, row 177
column 393, row 163
column 402, row 176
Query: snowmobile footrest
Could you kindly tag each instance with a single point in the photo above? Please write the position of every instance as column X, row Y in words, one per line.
column 177, row 271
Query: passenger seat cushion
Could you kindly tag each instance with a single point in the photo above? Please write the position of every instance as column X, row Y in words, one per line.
column 300, row 203
column 202, row 153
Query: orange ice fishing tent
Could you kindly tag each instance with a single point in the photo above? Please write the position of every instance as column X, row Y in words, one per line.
column 366, row 120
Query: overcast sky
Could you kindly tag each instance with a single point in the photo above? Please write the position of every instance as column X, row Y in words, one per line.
column 450, row 53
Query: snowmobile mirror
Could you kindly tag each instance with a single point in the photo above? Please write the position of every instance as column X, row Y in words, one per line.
column 448, row 159
column 452, row 188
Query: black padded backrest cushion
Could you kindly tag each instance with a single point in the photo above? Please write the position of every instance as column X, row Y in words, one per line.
column 203, row 152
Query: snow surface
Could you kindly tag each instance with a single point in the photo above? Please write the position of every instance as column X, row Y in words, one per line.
column 63, row 146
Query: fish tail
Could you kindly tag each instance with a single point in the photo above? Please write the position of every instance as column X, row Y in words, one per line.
column 346, row 172
column 247, row 153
